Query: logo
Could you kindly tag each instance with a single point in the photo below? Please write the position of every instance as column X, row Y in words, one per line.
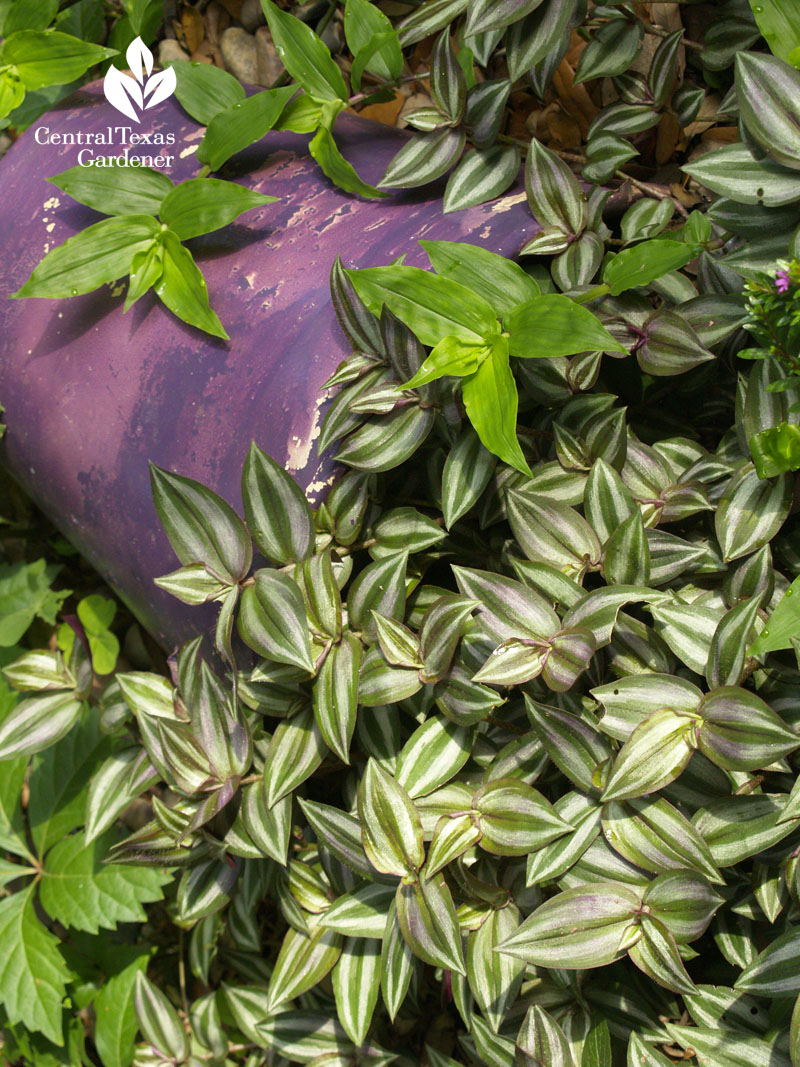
column 133, row 95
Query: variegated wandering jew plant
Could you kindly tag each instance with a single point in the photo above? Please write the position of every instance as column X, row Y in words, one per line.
column 512, row 776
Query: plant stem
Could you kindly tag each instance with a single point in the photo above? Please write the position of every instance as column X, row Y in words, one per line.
column 659, row 192
column 358, row 97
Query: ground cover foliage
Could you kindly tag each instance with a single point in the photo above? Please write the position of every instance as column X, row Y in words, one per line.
column 492, row 756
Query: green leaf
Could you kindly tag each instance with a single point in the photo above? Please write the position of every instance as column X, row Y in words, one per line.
column 12, row 93
column 783, row 625
column 451, row 356
column 204, row 90
column 277, row 512
column 115, row 1024
column 364, row 23
column 182, row 288
column 50, row 58
column 589, row 926
column 553, row 325
column 334, row 166
column 646, row 262
column 490, row 398
column 242, row 124
column 304, row 55
column 779, row 22
column 653, row 756
column 116, row 190
column 427, row 918
column 200, row 525
column 502, row 283
column 33, row 974
column 202, row 205
column 302, row 962
column 434, row 307
column 99, row 254
column 776, row 450
column 390, row 826
column 767, row 91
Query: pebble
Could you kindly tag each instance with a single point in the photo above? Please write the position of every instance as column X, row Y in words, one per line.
column 269, row 62
column 239, row 52
column 252, row 15
column 169, row 50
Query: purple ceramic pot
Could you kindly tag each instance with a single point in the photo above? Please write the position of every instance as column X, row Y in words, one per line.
column 91, row 395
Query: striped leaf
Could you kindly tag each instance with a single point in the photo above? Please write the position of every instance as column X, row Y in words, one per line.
column 688, row 629
column 356, row 980
column 205, row 889
column 740, row 732
column 516, row 819
column 158, row 1020
column 424, row 159
column 774, row 971
column 653, row 756
column 380, row 587
column 302, row 1035
column 428, row 18
column 751, row 512
column 148, row 694
column 428, row 922
column 726, row 654
column 448, row 84
column 37, row 723
column 388, row 441
column 481, row 175
column 276, row 510
column 440, row 632
column 390, row 826
column 724, row 1047
column 655, row 835
column 380, row 684
column 555, row 534
column 508, row 608
column 641, row 1054
column 272, row 620
column 554, row 193
column 769, row 90
column 362, row 913
column 294, row 753
column 575, row 747
column 398, row 964
column 452, row 837
column 302, row 962
column 656, row 954
column 684, row 902
column 626, row 559
column 200, row 526
column 335, row 695
column 268, row 827
column 434, row 753
column 589, row 926
column 737, row 827
column 629, row 701
column 607, row 501
column 340, row 833
column 541, row 1041
column 552, row 861
column 494, row 978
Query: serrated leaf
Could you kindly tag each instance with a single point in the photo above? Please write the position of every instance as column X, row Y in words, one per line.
column 33, row 974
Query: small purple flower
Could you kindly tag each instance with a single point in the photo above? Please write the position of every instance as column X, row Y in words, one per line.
column 782, row 281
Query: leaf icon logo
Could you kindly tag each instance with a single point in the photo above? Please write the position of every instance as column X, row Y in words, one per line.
column 132, row 95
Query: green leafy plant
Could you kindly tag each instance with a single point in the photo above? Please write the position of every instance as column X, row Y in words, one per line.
column 150, row 218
